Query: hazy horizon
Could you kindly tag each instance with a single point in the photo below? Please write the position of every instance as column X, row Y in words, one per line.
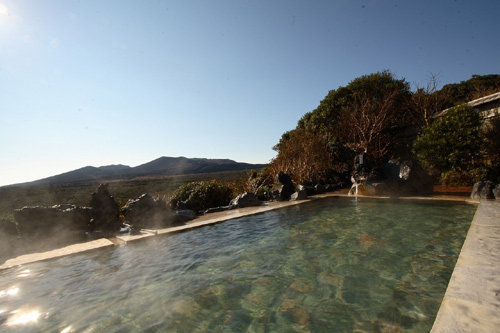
column 99, row 83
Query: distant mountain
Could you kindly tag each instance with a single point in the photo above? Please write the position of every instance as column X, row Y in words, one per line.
column 163, row 166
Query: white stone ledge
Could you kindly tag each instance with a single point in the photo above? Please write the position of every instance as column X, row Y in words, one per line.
column 472, row 299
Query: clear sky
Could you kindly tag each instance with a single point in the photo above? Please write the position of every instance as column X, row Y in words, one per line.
column 95, row 82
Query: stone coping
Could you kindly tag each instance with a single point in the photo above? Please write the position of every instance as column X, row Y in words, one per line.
column 472, row 299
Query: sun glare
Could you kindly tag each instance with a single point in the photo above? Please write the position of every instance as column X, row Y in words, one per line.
column 4, row 10
column 23, row 318
column 9, row 292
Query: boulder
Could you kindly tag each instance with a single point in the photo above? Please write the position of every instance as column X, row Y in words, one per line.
column 246, row 200
column 319, row 188
column 393, row 178
column 9, row 239
column 183, row 215
column 301, row 194
column 51, row 227
column 147, row 212
column 483, row 190
column 287, row 188
column 105, row 211
column 311, row 190
column 415, row 180
column 220, row 209
column 496, row 192
column 332, row 187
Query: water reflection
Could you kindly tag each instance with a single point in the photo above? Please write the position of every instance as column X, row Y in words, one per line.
column 9, row 292
column 24, row 273
column 23, row 317
column 363, row 265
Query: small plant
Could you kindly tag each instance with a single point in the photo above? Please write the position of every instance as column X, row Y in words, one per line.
column 201, row 195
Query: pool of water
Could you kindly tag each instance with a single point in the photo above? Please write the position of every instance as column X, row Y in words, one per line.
column 333, row 265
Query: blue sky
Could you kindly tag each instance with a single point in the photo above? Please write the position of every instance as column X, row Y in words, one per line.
column 124, row 82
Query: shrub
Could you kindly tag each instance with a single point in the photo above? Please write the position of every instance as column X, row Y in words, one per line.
column 455, row 178
column 451, row 142
column 463, row 177
column 201, row 195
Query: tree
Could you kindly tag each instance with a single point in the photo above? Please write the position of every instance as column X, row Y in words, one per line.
column 426, row 101
column 365, row 115
column 475, row 87
column 303, row 155
column 451, row 142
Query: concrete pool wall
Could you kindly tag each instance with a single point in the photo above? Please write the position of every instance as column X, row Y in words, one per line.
column 472, row 299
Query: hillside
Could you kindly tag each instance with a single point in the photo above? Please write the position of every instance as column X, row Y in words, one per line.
column 163, row 166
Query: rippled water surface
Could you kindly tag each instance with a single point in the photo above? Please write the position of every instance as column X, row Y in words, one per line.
column 334, row 265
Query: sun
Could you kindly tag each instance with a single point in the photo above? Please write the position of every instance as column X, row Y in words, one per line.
column 4, row 10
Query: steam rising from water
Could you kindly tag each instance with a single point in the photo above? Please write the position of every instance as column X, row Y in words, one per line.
column 309, row 267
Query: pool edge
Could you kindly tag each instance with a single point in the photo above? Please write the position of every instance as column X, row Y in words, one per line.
column 472, row 299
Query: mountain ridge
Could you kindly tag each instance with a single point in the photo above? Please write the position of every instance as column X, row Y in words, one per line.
column 162, row 166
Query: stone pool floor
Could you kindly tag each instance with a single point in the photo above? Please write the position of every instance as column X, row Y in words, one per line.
column 472, row 299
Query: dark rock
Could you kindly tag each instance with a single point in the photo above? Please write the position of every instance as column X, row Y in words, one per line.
column 390, row 170
column 275, row 194
column 393, row 178
column 496, row 192
column 415, row 179
column 8, row 228
column 287, row 188
column 105, row 211
column 310, row 190
column 183, row 215
column 9, row 239
column 246, row 200
column 220, row 209
column 299, row 195
column 331, row 187
column 51, row 227
column 319, row 188
column 148, row 212
column 184, row 205
column 483, row 190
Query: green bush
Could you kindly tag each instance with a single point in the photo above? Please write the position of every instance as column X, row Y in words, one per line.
column 455, row 178
column 463, row 177
column 262, row 190
column 452, row 141
column 201, row 195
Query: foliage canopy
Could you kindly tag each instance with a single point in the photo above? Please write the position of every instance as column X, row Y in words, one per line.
column 202, row 195
column 452, row 141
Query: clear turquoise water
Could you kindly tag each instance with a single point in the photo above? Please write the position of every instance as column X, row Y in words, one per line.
column 335, row 265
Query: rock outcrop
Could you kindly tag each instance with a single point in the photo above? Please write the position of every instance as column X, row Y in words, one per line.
column 287, row 187
column 496, row 192
column 50, row 227
column 147, row 212
column 394, row 178
column 484, row 190
column 9, row 239
column 301, row 194
column 246, row 200
column 105, row 212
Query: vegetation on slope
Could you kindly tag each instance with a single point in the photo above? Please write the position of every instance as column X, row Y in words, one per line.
column 378, row 114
